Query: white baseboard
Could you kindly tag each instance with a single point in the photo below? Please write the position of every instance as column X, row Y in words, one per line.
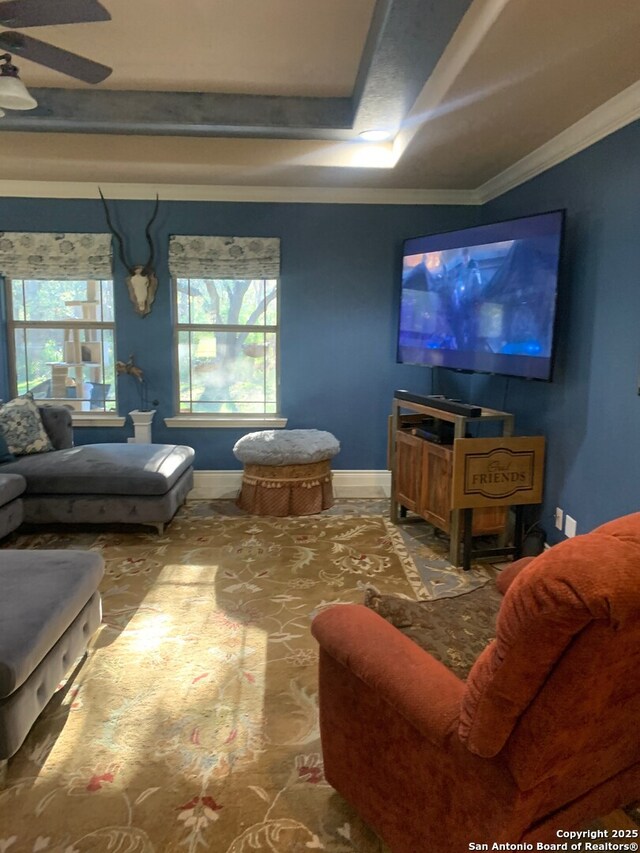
column 212, row 485
column 362, row 484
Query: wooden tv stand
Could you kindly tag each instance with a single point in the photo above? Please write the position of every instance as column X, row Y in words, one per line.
column 422, row 470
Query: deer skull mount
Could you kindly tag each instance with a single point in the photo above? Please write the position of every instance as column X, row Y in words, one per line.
column 142, row 282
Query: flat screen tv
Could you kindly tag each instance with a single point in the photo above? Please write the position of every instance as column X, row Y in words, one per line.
column 483, row 298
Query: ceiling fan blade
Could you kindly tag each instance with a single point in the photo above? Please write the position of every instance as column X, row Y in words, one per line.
column 60, row 60
column 43, row 13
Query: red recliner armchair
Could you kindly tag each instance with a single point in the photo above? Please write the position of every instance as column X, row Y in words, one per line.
column 541, row 738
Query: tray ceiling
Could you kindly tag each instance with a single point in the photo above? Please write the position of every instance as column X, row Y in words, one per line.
column 245, row 93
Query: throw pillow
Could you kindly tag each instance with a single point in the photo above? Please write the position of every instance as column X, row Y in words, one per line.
column 22, row 427
column 5, row 456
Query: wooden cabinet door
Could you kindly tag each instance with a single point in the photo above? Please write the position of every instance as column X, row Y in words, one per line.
column 423, row 483
column 435, row 488
column 407, row 470
column 434, row 502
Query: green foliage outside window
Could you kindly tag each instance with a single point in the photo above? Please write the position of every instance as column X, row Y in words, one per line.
column 45, row 316
column 227, row 345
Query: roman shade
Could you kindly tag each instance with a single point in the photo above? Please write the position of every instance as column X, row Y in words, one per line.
column 224, row 257
column 58, row 257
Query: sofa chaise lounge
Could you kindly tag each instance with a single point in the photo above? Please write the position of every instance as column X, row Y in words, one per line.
column 94, row 483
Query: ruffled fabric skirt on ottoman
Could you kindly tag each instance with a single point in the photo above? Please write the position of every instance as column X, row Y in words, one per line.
column 286, row 489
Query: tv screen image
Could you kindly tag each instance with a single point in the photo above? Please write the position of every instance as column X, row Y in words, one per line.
column 483, row 298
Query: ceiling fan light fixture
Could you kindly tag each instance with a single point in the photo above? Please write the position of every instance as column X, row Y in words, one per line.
column 375, row 135
column 13, row 92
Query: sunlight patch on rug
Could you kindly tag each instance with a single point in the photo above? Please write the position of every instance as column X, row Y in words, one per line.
column 193, row 725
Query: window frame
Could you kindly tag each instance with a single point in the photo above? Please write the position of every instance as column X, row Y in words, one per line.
column 90, row 418
column 224, row 419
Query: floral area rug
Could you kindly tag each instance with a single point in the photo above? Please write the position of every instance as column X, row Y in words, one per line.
column 428, row 547
column 193, row 724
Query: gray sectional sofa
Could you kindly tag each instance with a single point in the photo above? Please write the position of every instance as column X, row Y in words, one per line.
column 50, row 602
column 93, row 483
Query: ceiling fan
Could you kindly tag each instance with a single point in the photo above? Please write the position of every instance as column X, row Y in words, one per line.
column 43, row 13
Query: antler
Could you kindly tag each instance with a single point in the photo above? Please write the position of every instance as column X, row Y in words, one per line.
column 115, row 233
column 148, row 267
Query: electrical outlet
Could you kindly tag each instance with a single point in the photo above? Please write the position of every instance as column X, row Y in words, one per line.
column 559, row 517
column 569, row 526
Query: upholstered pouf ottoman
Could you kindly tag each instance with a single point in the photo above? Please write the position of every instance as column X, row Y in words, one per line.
column 49, row 608
column 287, row 471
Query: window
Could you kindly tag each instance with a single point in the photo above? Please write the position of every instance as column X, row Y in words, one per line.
column 60, row 317
column 226, row 309
column 62, row 341
column 227, row 335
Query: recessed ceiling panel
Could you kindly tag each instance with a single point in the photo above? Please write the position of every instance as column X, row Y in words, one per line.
column 280, row 47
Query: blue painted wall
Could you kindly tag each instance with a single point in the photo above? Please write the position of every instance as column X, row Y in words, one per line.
column 340, row 272
column 339, row 293
column 590, row 413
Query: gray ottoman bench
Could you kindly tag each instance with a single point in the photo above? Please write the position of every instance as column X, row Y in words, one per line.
column 286, row 472
column 49, row 609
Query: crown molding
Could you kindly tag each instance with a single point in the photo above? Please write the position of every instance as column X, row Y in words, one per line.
column 606, row 119
column 192, row 192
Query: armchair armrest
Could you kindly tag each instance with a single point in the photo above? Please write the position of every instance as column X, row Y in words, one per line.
column 418, row 686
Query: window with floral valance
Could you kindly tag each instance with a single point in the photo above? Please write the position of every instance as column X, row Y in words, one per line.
column 61, row 317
